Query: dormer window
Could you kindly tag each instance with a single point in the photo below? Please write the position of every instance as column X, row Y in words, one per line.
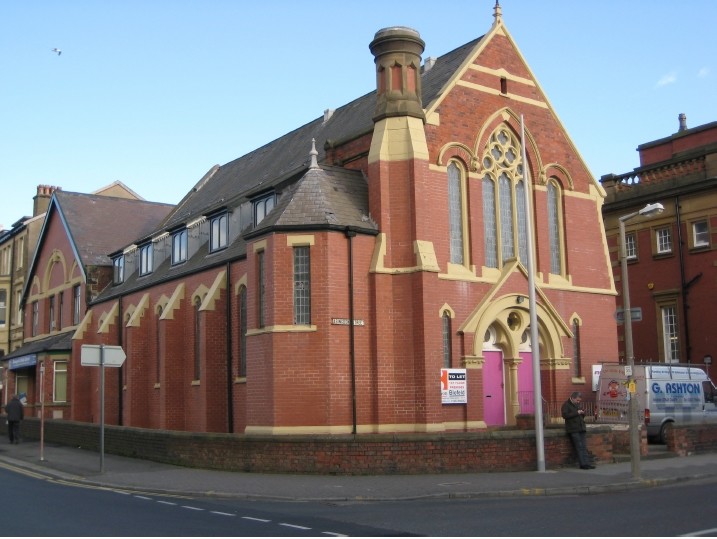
column 145, row 259
column 262, row 207
column 219, row 232
column 179, row 246
column 118, row 269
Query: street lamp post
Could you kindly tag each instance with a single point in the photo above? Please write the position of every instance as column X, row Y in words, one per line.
column 650, row 209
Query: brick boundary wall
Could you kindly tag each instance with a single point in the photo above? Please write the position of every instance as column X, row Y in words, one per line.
column 486, row 451
column 687, row 440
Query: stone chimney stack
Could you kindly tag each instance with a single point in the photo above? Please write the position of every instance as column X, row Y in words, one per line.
column 397, row 51
column 683, row 122
column 42, row 198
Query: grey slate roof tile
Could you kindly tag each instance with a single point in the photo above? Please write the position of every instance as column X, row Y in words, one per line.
column 99, row 225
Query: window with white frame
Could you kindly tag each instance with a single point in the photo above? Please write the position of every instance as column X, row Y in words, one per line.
column 59, row 387
column 670, row 334
column 218, row 232
column 455, row 213
column 145, row 259
column 179, row 246
column 700, row 234
column 631, row 246
column 505, row 223
column 302, row 285
column 663, row 240
column 118, row 269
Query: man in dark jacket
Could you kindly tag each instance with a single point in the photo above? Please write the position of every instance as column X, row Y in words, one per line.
column 15, row 414
column 574, row 416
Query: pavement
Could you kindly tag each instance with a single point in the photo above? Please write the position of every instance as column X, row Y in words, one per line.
column 82, row 467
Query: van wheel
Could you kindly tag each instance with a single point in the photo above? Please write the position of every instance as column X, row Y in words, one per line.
column 664, row 430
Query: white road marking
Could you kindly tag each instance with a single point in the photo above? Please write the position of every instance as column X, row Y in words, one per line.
column 293, row 526
column 257, row 519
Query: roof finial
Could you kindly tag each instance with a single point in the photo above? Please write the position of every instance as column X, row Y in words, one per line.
column 497, row 12
column 313, row 153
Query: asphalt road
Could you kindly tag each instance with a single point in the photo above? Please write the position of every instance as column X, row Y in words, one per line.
column 36, row 506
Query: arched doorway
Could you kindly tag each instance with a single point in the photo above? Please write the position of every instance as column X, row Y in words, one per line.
column 504, row 353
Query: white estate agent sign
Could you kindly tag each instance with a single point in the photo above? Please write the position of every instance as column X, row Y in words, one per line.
column 454, row 389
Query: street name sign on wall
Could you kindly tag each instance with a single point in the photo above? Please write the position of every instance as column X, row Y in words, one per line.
column 111, row 356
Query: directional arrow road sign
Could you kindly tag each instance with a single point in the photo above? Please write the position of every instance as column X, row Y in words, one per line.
column 113, row 356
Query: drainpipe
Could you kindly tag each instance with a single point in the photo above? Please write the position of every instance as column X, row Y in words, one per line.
column 230, row 382
column 352, row 353
column 685, row 286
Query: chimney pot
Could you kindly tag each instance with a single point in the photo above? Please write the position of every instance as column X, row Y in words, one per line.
column 683, row 121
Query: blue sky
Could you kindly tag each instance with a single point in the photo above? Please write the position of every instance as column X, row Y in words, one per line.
column 153, row 93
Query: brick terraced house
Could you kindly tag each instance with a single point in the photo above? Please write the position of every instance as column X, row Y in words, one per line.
column 319, row 284
column 670, row 257
column 66, row 269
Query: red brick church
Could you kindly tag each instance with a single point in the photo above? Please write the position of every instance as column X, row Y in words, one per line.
column 320, row 284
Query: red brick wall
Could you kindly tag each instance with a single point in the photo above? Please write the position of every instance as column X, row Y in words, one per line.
column 494, row 451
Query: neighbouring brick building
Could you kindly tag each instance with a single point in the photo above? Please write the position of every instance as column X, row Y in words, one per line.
column 671, row 261
column 17, row 244
column 66, row 268
column 320, row 284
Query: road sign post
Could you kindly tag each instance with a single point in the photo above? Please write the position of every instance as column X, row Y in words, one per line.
column 99, row 355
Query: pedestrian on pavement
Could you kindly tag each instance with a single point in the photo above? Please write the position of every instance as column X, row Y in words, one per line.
column 574, row 415
column 15, row 414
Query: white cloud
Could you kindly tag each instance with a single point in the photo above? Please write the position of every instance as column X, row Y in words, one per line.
column 703, row 73
column 669, row 78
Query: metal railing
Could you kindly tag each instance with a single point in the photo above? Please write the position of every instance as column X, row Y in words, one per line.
column 551, row 409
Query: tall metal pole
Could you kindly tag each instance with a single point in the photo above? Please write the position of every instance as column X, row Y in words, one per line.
column 629, row 354
column 534, row 342
column 42, row 410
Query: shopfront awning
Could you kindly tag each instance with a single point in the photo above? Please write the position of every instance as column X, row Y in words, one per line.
column 26, row 355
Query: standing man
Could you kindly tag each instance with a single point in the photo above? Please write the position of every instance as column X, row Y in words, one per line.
column 574, row 416
column 15, row 414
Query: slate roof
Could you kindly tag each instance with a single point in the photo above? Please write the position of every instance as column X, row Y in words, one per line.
column 289, row 154
column 98, row 225
column 61, row 342
column 326, row 197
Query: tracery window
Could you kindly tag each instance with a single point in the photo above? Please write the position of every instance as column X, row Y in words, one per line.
column 504, row 216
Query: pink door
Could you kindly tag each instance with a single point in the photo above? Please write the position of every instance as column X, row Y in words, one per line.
column 525, row 384
column 493, row 395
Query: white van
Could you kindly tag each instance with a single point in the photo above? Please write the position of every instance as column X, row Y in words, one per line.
column 665, row 394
